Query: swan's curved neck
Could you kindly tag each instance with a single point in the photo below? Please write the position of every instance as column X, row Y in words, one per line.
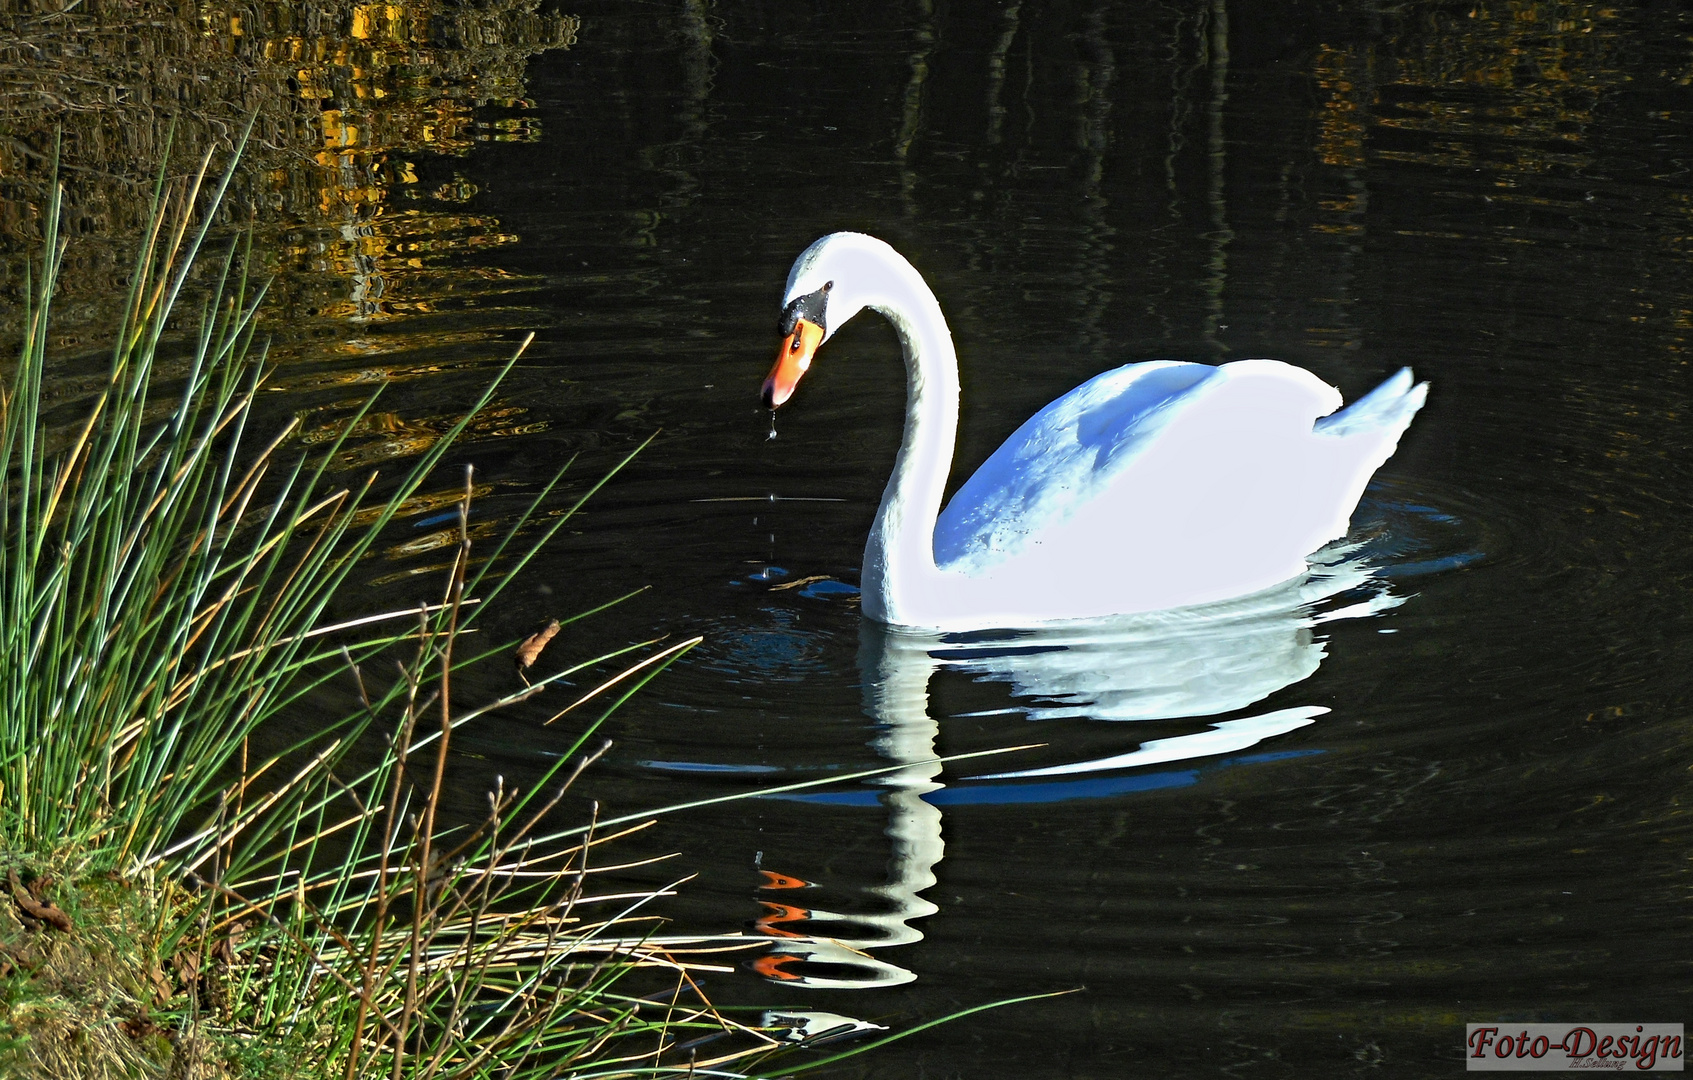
column 900, row 580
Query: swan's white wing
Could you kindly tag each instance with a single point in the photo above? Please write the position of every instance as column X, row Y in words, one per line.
column 1171, row 483
column 1063, row 456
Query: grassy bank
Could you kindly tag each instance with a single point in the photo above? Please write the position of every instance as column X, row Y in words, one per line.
column 176, row 903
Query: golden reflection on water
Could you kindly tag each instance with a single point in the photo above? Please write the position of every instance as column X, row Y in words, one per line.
column 355, row 106
column 391, row 82
column 378, row 437
column 1513, row 91
column 1510, row 88
column 1543, row 65
column 348, row 100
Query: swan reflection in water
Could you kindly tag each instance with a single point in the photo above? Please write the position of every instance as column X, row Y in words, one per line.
column 1190, row 663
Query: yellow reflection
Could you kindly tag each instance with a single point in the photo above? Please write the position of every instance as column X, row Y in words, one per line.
column 1508, row 87
column 347, row 97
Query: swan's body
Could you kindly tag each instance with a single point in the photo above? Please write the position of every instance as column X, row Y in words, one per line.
column 1155, row 485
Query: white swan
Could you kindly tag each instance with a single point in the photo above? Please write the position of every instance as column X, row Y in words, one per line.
column 1155, row 485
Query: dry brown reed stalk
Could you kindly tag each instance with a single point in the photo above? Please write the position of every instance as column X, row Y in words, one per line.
column 467, row 944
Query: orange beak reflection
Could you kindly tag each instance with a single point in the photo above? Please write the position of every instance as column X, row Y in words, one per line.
column 792, row 362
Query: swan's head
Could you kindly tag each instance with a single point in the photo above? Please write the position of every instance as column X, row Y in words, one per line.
column 824, row 291
column 803, row 327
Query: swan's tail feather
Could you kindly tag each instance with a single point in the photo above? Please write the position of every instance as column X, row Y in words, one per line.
column 1386, row 410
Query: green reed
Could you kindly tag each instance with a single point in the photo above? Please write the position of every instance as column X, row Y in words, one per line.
column 164, row 594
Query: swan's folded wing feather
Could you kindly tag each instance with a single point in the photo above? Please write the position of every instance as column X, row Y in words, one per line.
column 1386, row 410
column 1062, row 457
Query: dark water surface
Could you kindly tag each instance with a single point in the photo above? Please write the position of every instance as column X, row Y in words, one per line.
column 1449, row 782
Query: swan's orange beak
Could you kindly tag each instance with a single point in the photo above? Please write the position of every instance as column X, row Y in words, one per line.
column 791, row 362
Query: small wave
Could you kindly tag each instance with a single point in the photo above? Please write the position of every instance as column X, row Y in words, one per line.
column 776, row 649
